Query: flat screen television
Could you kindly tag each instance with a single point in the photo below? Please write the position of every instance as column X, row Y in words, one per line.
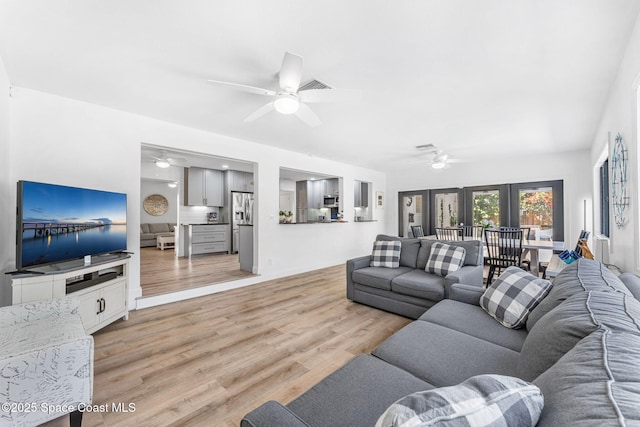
column 56, row 223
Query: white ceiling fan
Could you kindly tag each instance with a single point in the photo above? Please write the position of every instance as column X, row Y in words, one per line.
column 163, row 161
column 291, row 98
column 440, row 159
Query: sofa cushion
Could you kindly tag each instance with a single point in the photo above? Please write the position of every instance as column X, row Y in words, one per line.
column 385, row 254
column 419, row 284
column 596, row 383
column 473, row 251
column 564, row 326
column 366, row 383
column 632, row 282
column 378, row 277
column 443, row 356
column 409, row 251
column 581, row 275
column 161, row 227
column 487, row 400
column 473, row 320
column 144, row 228
column 513, row 295
column 444, row 259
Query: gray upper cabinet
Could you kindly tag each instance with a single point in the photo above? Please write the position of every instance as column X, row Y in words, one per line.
column 331, row 187
column 361, row 194
column 204, row 187
column 240, row 181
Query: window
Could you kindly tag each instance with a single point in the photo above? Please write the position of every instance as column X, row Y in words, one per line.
column 445, row 209
column 486, row 207
column 604, row 198
column 539, row 207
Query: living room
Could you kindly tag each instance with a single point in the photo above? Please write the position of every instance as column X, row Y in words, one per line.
column 77, row 138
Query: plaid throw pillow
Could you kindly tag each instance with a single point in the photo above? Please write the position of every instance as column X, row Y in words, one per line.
column 386, row 253
column 445, row 259
column 483, row 400
column 513, row 295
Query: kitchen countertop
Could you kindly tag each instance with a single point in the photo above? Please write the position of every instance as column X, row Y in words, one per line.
column 314, row 222
column 206, row 223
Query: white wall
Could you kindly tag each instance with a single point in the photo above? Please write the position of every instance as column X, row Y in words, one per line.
column 68, row 142
column 620, row 115
column 7, row 207
column 571, row 167
column 171, row 194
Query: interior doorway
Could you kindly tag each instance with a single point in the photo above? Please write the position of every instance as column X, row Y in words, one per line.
column 190, row 191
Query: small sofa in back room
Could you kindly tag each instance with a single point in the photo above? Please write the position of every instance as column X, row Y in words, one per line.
column 149, row 232
column 409, row 290
column 574, row 361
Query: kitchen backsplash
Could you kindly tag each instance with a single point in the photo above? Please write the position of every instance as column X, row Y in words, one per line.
column 197, row 214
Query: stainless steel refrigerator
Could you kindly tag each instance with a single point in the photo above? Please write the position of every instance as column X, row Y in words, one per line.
column 241, row 213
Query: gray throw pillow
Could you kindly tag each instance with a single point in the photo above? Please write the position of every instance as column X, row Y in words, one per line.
column 597, row 383
column 386, row 254
column 444, row 259
column 564, row 326
column 513, row 295
column 483, row 400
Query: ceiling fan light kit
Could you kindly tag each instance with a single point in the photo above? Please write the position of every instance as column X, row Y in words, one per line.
column 163, row 164
column 286, row 103
column 438, row 164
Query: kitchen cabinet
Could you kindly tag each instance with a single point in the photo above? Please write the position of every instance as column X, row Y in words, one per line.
column 204, row 187
column 361, row 194
column 240, row 181
column 332, row 187
column 204, row 238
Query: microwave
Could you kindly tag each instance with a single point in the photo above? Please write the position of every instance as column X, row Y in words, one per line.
column 330, row 201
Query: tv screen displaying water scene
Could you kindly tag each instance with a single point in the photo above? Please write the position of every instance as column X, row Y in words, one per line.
column 57, row 223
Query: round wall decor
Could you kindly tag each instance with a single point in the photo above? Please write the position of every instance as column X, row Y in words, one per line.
column 156, row 205
column 620, row 198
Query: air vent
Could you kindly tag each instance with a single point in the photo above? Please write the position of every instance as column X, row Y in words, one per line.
column 314, row 84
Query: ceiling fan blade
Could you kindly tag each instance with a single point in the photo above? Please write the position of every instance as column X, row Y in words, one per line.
column 330, row 95
column 307, row 115
column 266, row 108
column 244, row 88
column 291, row 72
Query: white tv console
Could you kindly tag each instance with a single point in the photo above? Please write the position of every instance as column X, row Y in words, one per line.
column 101, row 287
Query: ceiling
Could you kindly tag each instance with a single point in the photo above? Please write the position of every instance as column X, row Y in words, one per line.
column 475, row 78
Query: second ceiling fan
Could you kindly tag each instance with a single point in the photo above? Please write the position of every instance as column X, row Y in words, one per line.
column 289, row 99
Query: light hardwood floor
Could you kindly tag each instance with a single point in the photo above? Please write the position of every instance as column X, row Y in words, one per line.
column 161, row 272
column 210, row 360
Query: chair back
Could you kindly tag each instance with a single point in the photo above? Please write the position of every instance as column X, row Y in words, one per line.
column 504, row 247
column 584, row 235
column 449, row 233
column 417, row 231
column 526, row 231
column 474, row 232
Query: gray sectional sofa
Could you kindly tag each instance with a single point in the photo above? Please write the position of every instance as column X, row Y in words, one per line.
column 580, row 346
column 409, row 290
column 150, row 231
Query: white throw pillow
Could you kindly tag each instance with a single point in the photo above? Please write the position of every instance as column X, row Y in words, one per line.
column 513, row 295
column 445, row 259
column 482, row 400
column 386, row 253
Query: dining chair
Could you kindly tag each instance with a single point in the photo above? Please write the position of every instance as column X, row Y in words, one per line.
column 449, row 233
column 473, row 232
column 417, row 231
column 504, row 248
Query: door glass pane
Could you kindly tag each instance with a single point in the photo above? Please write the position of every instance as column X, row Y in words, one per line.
column 486, row 208
column 446, row 209
column 536, row 212
column 411, row 213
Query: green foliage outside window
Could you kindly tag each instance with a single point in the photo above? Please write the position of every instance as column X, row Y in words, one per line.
column 486, row 207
